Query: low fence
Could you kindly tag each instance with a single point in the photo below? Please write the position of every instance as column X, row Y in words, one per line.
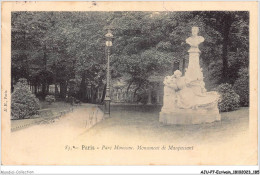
column 45, row 116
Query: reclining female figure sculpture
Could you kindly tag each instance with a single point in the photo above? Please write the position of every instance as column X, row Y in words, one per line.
column 186, row 101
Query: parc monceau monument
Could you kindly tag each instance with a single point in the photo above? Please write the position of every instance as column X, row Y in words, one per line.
column 186, row 101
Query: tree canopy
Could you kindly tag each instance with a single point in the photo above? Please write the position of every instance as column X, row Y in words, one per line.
column 56, row 47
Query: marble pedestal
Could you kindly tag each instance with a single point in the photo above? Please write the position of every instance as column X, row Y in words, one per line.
column 190, row 116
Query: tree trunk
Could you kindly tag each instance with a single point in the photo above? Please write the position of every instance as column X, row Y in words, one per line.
column 26, row 58
column 56, row 91
column 104, row 93
column 43, row 89
column 55, row 82
column 48, row 88
column 63, row 89
column 35, row 88
column 139, row 85
column 12, row 85
column 92, row 94
column 45, row 69
column 95, row 95
column 226, row 28
column 183, row 66
column 83, row 87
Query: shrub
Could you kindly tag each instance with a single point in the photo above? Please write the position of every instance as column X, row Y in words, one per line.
column 229, row 98
column 50, row 98
column 241, row 86
column 23, row 102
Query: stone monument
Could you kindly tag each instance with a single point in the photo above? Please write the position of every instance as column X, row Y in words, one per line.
column 186, row 101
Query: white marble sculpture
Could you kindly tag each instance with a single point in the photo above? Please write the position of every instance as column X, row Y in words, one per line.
column 186, row 101
column 194, row 72
column 169, row 98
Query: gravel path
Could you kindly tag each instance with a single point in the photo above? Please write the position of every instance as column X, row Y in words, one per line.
column 62, row 142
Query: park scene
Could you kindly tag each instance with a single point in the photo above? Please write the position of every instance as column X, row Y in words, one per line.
column 159, row 77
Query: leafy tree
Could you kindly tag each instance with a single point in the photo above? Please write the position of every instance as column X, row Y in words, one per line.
column 23, row 102
column 233, row 30
column 55, row 47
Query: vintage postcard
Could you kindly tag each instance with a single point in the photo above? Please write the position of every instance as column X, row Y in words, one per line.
column 129, row 83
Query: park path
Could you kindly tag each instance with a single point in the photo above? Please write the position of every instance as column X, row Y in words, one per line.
column 49, row 140
column 61, row 142
column 81, row 119
column 92, row 115
column 70, row 125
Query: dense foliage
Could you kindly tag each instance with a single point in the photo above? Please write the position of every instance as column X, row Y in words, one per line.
column 241, row 86
column 23, row 102
column 56, row 47
column 229, row 98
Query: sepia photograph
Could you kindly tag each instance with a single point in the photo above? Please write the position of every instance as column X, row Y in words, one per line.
column 129, row 87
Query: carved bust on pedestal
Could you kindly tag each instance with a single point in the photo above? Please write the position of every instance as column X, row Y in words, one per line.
column 186, row 101
column 194, row 40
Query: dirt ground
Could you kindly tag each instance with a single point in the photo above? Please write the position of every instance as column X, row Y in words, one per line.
column 75, row 140
column 142, row 121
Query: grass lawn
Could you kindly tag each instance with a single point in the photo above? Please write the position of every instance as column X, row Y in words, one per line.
column 56, row 108
column 143, row 122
